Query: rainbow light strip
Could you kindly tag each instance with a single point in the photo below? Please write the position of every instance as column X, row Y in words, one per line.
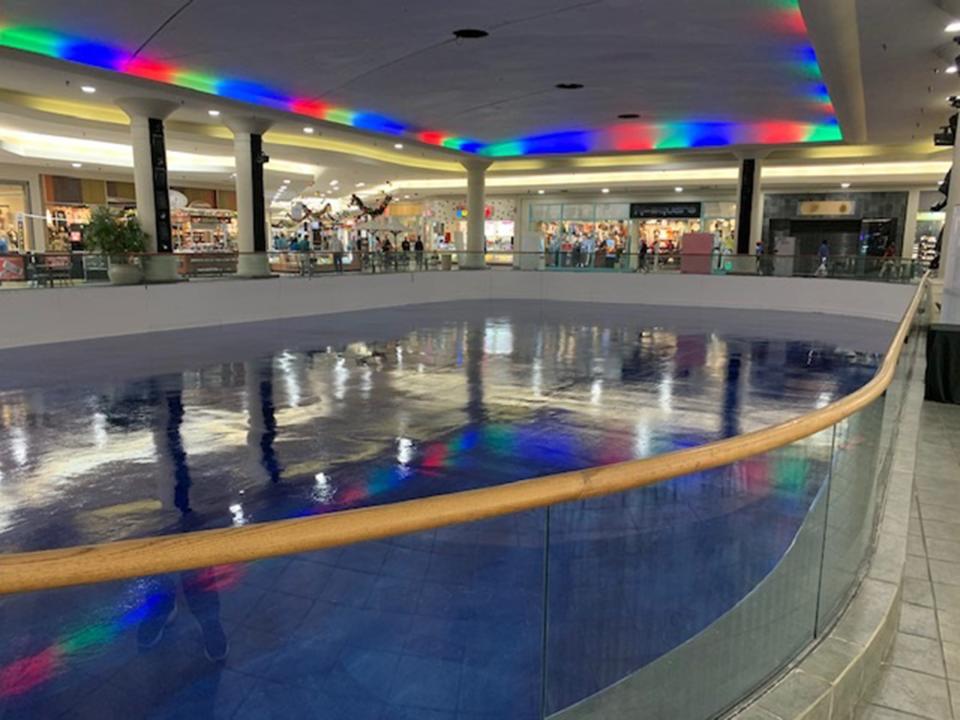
column 781, row 18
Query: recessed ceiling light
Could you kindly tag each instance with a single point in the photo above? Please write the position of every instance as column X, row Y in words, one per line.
column 952, row 70
column 629, row 116
column 88, row 89
column 213, row 113
column 77, row 165
column 398, row 146
column 361, row 184
column 309, row 130
column 286, row 182
column 406, row 197
column 470, row 33
column 606, row 191
column 952, row 27
column 845, row 185
column 678, row 189
column 540, row 192
column 569, row 86
column 334, row 182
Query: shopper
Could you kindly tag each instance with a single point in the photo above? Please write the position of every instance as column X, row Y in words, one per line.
column 758, row 251
column 642, row 257
column 306, row 257
column 418, row 253
column 387, row 254
column 336, row 245
column 824, row 255
column 405, row 255
column 889, row 264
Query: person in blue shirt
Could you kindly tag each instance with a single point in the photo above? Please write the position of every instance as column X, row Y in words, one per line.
column 824, row 254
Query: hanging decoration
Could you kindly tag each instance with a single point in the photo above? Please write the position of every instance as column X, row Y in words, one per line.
column 367, row 212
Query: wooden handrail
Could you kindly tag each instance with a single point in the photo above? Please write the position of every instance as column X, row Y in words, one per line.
column 88, row 564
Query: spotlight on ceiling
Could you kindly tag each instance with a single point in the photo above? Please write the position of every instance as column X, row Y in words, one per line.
column 606, row 191
column 361, row 184
column 952, row 27
column 88, row 89
column 844, row 185
column 540, row 192
column 569, row 86
column 76, row 165
column 334, row 182
column 678, row 189
column 286, row 182
column 309, row 130
column 629, row 116
column 952, row 70
column 470, row 33
column 398, row 146
column 213, row 113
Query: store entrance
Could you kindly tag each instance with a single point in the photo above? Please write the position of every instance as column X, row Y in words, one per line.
column 13, row 211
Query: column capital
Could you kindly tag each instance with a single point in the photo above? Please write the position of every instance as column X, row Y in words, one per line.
column 249, row 124
column 476, row 164
column 147, row 107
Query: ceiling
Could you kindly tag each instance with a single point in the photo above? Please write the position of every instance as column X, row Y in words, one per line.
column 724, row 72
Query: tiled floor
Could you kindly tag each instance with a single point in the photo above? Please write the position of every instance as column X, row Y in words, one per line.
column 921, row 678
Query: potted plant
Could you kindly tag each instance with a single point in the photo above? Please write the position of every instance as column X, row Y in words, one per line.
column 120, row 239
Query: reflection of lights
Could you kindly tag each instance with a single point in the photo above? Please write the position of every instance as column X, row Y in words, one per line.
column 340, row 375
column 596, row 392
column 420, row 368
column 323, row 490
column 366, row 382
column 642, row 443
column 823, row 399
column 18, row 445
column 399, row 357
column 236, row 511
column 665, row 391
column 537, row 380
column 99, row 430
column 291, row 380
column 404, row 451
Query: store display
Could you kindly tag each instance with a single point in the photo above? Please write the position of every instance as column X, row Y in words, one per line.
column 929, row 225
column 203, row 229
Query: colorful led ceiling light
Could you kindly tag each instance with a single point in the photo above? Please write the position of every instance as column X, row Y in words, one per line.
column 782, row 17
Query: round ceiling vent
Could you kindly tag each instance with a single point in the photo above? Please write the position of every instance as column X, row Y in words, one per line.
column 569, row 86
column 629, row 116
column 470, row 33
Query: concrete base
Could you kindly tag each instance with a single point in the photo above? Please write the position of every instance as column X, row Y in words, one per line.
column 160, row 269
column 253, row 266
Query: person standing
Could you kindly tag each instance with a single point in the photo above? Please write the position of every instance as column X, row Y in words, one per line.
column 418, row 252
column 824, row 254
column 642, row 256
column 405, row 254
column 336, row 245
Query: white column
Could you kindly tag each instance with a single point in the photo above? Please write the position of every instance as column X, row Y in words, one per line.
column 950, row 252
column 161, row 266
column 910, row 225
column 475, row 258
column 252, row 230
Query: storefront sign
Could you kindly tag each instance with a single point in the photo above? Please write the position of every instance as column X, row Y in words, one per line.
column 828, row 208
column 11, row 267
column 651, row 211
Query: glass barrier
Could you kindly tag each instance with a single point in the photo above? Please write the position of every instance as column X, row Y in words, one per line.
column 675, row 600
column 47, row 270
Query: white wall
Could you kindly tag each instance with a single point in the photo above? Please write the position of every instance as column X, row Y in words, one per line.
column 30, row 317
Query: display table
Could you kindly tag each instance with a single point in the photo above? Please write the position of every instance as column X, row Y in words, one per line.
column 943, row 364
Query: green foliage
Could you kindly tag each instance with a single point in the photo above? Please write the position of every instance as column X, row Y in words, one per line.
column 113, row 235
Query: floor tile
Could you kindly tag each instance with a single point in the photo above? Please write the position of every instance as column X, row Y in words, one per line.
column 951, row 654
column 946, row 573
column 918, row 620
column 909, row 691
column 947, row 597
column 917, row 653
column 941, row 530
column 918, row 592
column 949, row 623
column 938, row 549
column 916, row 567
column 915, row 546
column 875, row 712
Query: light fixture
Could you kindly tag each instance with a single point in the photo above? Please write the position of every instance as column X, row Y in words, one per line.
column 952, row 70
column 844, row 185
column 88, row 89
column 308, row 130
column 398, row 146
column 629, row 116
column 540, row 192
column 606, row 191
column 286, row 182
column 406, row 197
column 569, row 86
column 213, row 113
column 952, row 27
column 76, row 165
column 361, row 184
column 678, row 189
column 334, row 182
